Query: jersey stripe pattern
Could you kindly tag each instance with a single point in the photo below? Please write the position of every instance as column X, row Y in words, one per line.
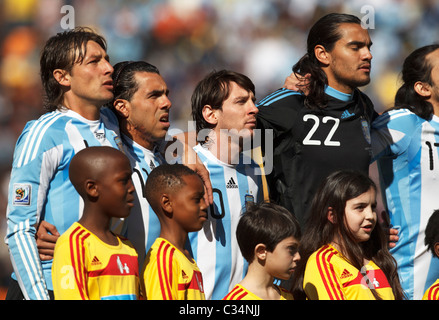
column 215, row 247
column 85, row 268
column 142, row 226
column 239, row 292
column 406, row 147
column 169, row 275
column 433, row 292
column 40, row 189
column 330, row 276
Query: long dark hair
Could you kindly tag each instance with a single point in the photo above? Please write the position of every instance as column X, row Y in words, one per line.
column 62, row 51
column 324, row 32
column 416, row 68
column 334, row 192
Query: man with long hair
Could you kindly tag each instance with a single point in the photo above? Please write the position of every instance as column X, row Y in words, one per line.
column 405, row 140
column 76, row 76
column 327, row 128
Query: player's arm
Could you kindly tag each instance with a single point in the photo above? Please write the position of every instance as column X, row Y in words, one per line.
column 31, row 173
column 24, row 198
column 297, row 82
column 181, row 146
column 46, row 238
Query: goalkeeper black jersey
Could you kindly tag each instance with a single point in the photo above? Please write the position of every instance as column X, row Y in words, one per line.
column 309, row 144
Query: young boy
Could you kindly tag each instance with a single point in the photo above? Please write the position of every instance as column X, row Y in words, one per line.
column 432, row 242
column 90, row 262
column 268, row 236
column 176, row 194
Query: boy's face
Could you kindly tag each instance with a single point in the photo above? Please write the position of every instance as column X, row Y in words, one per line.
column 116, row 188
column 283, row 260
column 188, row 205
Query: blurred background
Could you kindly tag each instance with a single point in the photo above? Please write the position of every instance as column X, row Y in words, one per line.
column 186, row 39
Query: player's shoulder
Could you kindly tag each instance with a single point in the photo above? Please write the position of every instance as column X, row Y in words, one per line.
column 51, row 124
column 401, row 117
column 370, row 107
column 45, row 122
column 41, row 134
column 282, row 96
column 109, row 117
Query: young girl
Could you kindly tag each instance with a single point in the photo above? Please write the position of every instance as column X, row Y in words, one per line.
column 344, row 253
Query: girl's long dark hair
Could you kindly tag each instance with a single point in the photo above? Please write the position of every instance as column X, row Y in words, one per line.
column 416, row 67
column 324, row 32
column 334, row 192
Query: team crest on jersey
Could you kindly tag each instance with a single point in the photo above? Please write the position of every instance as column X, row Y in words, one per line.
column 118, row 142
column 22, row 193
column 366, row 130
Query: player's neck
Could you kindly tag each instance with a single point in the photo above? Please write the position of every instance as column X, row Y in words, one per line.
column 338, row 85
column 87, row 109
column 224, row 148
column 138, row 137
column 435, row 105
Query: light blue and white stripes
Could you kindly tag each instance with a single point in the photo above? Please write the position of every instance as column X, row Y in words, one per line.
column 40, row 167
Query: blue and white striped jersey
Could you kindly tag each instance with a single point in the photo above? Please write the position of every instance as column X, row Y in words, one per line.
column 40, row 188
column 406, row 147
column 215, row 248
column 141, row 227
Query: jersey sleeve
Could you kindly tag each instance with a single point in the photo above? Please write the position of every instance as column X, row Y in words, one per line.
column 392, row 131
column 35, row 161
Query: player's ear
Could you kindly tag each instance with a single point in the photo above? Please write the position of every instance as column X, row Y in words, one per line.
column 122, row 107
column 210, row 114
column 261, row 251
column 423, row 89
column 322, row 55
column 62, row 77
